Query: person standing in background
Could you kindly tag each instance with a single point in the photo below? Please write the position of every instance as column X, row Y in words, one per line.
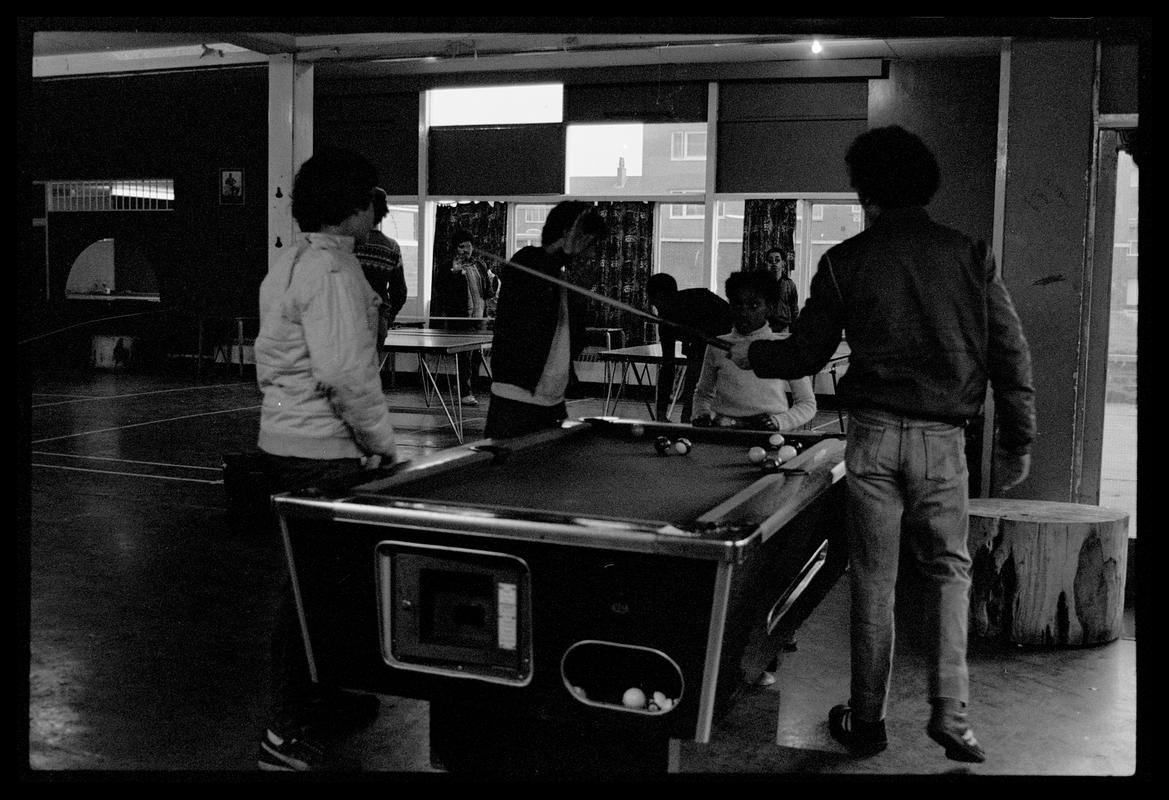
column 787, row 310
column 463, row 290
column 381, row 261
column 697, row 309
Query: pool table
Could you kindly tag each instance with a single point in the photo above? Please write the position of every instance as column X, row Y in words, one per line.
column 570, row 601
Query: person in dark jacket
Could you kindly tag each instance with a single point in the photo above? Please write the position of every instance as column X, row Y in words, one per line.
column 929, row 323
column 787, row 309
column 699, row 309
column 539, row 325
column 381, row 261
column 462, row 291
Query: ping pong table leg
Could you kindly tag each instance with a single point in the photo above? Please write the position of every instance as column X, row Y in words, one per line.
column 679, row 383
column 456, row 424
column 610, row 374
column 643, row 381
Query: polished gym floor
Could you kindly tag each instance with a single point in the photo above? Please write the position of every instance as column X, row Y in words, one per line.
column 149, row 615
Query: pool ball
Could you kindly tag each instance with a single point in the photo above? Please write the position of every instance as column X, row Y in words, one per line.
column 770, row 464
column 682, row 446
column 662, row 445
column 756, row 455
column 797, row 444
column 633, row 698
column 787, row 452
column 775, row 440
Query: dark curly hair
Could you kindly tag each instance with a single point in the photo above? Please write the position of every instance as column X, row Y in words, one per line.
column 381, row 205
column 760, row 281
column 565, row 214
column 331, row 185
column 892, row 167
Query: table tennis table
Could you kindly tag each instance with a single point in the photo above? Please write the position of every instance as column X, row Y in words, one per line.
column 435, row 349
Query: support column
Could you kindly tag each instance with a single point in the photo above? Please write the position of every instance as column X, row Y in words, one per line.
column 290, row 143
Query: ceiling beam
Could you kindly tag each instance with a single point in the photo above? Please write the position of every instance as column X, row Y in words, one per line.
column 267, row 43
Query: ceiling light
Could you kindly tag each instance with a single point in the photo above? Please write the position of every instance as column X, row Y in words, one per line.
column 816, row 48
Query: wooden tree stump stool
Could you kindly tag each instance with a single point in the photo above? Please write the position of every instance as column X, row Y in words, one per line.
column 1047, row 573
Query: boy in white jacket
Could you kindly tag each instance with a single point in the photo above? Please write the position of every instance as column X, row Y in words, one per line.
column 324, row 418
column 727, row 396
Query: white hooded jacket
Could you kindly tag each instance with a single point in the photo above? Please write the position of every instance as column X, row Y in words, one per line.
column 316, row 360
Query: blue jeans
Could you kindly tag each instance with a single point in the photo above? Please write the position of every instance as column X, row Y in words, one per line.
column 906, row 487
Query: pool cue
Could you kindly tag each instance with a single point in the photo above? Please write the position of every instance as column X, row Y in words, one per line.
column 600, row 298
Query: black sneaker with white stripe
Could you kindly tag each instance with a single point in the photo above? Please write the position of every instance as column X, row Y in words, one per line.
column 289, row 754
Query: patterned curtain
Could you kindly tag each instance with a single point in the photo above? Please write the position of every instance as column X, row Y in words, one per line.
column 626, row 258
column 768, row 224
column 486, row 221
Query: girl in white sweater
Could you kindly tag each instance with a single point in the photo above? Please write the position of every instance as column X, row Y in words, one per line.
column 727, row 396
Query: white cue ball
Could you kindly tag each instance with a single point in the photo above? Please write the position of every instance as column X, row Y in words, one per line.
column 633, row 698
column 775, row 440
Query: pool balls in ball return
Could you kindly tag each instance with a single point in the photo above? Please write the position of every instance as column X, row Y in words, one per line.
column 633, row 698
column 682, row 446
column 775, row 440
column 756, row 455
column 662, row 445
column 770, row 464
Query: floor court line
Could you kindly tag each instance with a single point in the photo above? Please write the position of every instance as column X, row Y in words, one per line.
column 64, row 394
column 129, row 474
column 140, row 424
column 83, row 398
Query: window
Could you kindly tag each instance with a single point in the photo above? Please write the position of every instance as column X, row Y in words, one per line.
column 148, row 194
column 1118, row 465
column 627, row 159
column 819, row 226
column 688, row 146
column 687, row 210
column 401, row 225
column 496, row 105
column 528, row 225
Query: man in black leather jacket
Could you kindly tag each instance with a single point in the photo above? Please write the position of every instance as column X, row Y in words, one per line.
column 929, row 323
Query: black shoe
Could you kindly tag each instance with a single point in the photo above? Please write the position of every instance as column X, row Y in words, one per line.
column 336, row 711
column 288, row 754
column 861, row 738
column 948, row 727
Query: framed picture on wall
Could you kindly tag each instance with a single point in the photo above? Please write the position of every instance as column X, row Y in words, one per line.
column 231, row 187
